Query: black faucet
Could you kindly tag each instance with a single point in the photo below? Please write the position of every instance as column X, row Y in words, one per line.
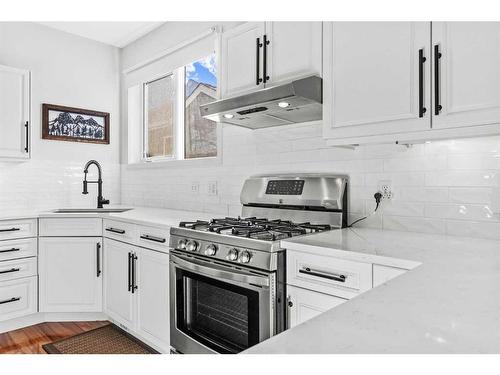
column 100, row 199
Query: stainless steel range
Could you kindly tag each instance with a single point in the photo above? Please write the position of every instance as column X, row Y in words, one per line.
column 227, row 275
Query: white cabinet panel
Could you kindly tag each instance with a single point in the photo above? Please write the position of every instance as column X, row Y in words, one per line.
column 371, row 78
column 68, row 271
column 18, row 298
column 239, row 59
column 153, row 238
column 15, row 249
column 12, row 229
column 153, row 320
column 118, row 299
column 469, row 74
column 64, row 226
column 18, row 268
column 295, row 50
column 305, row 304
column 14, row 113
column 120, row 231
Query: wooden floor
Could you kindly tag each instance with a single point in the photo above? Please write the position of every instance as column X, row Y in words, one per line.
column 29, row 340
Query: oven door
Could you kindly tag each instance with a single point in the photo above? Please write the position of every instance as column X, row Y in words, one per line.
column 217, row 308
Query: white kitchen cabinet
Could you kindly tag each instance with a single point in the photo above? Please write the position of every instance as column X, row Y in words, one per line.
column 240, row 60
column 153, row 318
column 304, row 304
column 259, row 54
column 14, row 113
column 382, row 274
column 118, row 299
column 375, row 81
column 468, row 80
column 295, row 50
column 69, row 272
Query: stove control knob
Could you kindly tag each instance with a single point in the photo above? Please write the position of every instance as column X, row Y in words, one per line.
column 245, row 257
column 232, row 254
column 191, row 245
column 210, row 250
column 181, row 245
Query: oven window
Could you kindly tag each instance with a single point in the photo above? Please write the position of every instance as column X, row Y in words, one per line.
column 222, row 316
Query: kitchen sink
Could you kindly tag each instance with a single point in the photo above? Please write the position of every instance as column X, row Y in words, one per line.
column 89, row 210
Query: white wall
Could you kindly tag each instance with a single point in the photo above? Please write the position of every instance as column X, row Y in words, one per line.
column 66, row 70
column 442, row 187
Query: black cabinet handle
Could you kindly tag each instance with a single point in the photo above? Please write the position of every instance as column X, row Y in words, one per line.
column 134, row 285
column 258, row 80
column 11, row 270
column 437, row 55
column 10, row 250
column 114, row 230
column 329, row 276
column 266, row 43
column 153, row 238
column 129, row 272
column 10, row 230
column 13, row 299
column 98, row 255
column 26, row 127
column 421, row 61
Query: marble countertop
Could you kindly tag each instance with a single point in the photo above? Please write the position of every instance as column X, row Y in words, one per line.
column 450, row 303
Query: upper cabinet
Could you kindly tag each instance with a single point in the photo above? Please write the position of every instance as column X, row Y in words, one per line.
column 14, row 113
column 466, row 74
column 257, row 54
column 410, row 81
column 376, row 78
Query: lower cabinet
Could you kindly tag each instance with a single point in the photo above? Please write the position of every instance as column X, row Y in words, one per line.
column 304, row 304
column 70, row 274
column 136, row 291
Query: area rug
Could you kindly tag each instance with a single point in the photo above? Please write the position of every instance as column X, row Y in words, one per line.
column 109, row 339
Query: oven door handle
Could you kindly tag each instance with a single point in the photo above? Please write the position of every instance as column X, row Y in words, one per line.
column 219, row 272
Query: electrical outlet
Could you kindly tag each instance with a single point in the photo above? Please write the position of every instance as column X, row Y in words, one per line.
column 385, row 188
column 195, row 187
column 212, row 188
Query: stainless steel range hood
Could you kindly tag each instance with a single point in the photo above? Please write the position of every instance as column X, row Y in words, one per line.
column 294, row 102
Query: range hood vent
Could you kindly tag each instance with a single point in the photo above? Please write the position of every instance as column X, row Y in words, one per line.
column 298, row 101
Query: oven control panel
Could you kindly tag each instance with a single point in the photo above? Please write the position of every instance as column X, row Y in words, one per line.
column 285, row 187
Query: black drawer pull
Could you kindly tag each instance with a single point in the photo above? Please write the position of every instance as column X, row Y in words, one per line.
column 114, row 230
column 437, row 105
column 98, row 259
column 153, row 238
column 27, row 134
column 11, row 270
column 129, row 272
column 10, row 250
column 134, row 262
column 13, row 299
column 10, row 230
column 421, row 61
column 258, row 80
column 334, row 277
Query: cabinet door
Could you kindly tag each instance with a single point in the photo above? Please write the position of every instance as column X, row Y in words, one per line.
column 118, row 299
column 295, row 50
column 468, row 78
column 69, row 277
column 240, row 60
column 153, row 320
column 373, row 78
column 305, row 304
column 14, row 113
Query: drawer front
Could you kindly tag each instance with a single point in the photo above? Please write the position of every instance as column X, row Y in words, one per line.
column 18, row 298
column 153, row 238
column 15, row 249
column 333, row 276
column 18, row 229
column 19, row 268
column 71, row 227
column 120, row 231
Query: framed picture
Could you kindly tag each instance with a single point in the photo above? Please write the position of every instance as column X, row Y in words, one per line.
column 74, row 124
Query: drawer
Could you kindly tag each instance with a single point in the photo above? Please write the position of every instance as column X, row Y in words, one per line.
column 120, row 231
column 19, row 268
column 153, row 238
column 71, row 227
column 18, row 298
column 333, row 276
column 14, row 249
column 18, row 229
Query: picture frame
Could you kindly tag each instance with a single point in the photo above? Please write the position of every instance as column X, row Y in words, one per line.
column 72, row 124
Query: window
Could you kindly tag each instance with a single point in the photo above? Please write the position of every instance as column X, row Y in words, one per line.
column 173, row 126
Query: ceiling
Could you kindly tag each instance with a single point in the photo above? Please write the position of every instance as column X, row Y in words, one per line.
column 117, row 34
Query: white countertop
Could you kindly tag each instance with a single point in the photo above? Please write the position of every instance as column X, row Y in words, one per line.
column 448, row 304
